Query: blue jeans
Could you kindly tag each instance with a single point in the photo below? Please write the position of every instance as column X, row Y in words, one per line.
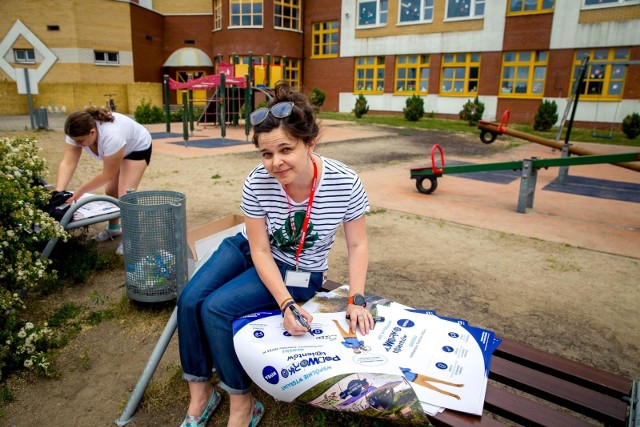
column 226, row 287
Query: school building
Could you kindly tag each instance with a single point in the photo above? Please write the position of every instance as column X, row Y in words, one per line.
column 511, row 54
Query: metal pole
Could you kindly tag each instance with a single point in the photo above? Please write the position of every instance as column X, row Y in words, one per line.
column 247, row 106
column 191, row 111
column 167, row 107
column 223, row 107
column 185, row 112
column 149, row 369
column 29, row 100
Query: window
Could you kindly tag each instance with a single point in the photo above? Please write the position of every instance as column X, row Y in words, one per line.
column 246, row 13
column 606, row 72
column 369, row 75
column 286, row 14
column 524, row 73
column 530, row 6
column 292, row 73
column 412, row 74
column 24, row 56
column 416, row 11
column 465, row 8
column 101, row 57
column 610, row 2
column 372, row 12
column 217, row 15
column 460, row 73
column 325, row 40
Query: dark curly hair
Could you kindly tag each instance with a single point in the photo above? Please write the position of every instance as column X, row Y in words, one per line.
column 80, row 123
column 300, row 124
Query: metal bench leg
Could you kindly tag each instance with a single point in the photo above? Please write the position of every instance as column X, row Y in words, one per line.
column 528, row 181
column 150, row 368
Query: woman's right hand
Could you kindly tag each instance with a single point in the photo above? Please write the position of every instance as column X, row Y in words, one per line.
column 291, row 324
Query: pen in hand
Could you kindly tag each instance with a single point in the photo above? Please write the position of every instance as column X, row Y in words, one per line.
column 301, row 319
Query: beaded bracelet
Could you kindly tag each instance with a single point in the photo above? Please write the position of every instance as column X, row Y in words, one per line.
column 287, row 305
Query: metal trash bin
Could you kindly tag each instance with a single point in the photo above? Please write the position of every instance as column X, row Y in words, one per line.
column 154, row 242
column 42, row 120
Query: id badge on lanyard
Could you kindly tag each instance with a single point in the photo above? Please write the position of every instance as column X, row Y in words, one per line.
column 301, row 279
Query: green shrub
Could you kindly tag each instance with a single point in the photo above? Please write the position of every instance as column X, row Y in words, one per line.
column 414, row 109
column 24, row 230
column 631, row 125
column 361, row 106
column 472, row 111
column 317, row 97
column 546, row 116
column 145, row 113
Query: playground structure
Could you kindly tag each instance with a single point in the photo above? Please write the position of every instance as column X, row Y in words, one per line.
column 489, row 132
column 231, row 98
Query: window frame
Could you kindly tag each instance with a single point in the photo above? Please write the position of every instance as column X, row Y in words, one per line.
column 533, row 63
column 107, row 57
column 292, row 72
column 317, row 31
column 418, row 66
column 252, row 15
column 381, row 13
column 473, row 6
column 467, row 65
column 217, row 15
column 423, row 7
column 294, row 6
column 608, row 68
column 378, row 68
column 540, row 8
column 611, row 3
column 28, row 53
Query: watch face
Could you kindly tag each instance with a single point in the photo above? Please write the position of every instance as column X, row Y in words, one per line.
column 358, row 300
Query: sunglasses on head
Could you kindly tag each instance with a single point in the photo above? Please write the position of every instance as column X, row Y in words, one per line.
column 279, row 111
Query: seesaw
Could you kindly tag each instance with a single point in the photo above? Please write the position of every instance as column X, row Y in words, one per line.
column 489, row 132
column 529, row 168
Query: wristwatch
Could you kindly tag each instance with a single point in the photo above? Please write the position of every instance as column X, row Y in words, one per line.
column 357, row 299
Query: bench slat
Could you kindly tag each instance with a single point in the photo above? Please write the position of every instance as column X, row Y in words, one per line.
column 527, row 412
column 597, row 379
column 458, row 419
column 556, row 390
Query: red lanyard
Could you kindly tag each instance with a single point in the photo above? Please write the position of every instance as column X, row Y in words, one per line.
column 307, row 214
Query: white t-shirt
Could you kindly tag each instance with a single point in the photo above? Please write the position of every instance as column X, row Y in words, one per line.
column 112, row 136
column 339, row 197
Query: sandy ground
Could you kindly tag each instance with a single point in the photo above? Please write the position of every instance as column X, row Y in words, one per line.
column 494, row 269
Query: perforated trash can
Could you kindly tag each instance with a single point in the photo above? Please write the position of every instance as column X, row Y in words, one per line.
column 154, row 242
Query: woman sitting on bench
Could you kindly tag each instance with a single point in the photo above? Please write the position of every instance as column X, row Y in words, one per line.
column 293, row 203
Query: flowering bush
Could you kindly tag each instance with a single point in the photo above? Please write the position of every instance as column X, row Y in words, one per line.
column 24, row 230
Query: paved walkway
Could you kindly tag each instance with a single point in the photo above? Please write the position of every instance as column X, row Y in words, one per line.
column 604, row 225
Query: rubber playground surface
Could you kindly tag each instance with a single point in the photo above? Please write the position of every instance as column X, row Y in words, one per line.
column 597, row 208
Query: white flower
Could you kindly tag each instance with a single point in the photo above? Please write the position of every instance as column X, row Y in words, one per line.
column 22, row 333
column 28, row 363
column 28, row 326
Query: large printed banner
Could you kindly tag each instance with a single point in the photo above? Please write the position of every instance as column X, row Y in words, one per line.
column 412, row 363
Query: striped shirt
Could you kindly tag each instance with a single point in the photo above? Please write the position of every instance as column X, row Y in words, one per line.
column 339, row 197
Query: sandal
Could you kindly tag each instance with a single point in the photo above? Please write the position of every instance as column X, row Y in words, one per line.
column 201, row 421
column 256, row 416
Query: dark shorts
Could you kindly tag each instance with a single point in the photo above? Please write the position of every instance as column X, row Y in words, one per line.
column 140, row 155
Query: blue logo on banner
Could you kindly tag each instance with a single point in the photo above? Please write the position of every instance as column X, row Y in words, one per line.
column 258, row 334
column 441, row 365
column 406, row 323
column 453, row 335
column 270, row 375
column 447, row 348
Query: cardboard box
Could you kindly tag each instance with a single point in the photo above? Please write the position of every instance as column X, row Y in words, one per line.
column 201, row 240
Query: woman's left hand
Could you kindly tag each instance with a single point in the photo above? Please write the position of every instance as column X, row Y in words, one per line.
column 359, row 317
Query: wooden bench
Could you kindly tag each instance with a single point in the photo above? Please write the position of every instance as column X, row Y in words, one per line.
column 535, row 388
